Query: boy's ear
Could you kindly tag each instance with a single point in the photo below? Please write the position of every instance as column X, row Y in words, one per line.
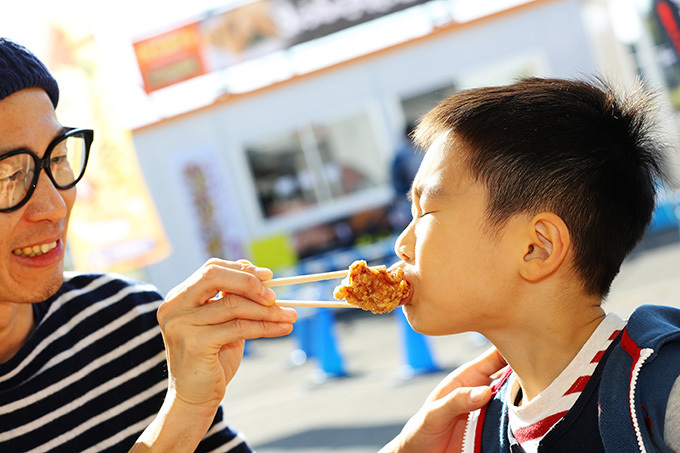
column 547, row 244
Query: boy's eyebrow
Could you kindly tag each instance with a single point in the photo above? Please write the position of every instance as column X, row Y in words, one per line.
column 429, row 190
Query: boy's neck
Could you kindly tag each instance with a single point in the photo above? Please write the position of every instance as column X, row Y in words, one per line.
column 543, row 347
column 16, row 325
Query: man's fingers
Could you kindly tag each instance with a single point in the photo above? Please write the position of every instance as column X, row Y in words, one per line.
column 478, row 396
column 215, row 276
column 247, row 320
column 232, row 306
column 199, row 339
column 261, row 273
column 490, row 362
column 463, row 400
column 248, row 329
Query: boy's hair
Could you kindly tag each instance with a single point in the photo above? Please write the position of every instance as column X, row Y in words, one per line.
column 565, row 146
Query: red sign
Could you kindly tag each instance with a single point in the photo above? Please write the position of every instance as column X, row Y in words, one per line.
column 667, row 13
column 170, row 57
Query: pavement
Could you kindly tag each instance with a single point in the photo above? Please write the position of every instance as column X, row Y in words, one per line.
column 284, row 404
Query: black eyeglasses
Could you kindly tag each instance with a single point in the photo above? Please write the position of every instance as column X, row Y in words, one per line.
column 64, row 162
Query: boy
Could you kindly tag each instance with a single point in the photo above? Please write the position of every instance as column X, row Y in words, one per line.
column 528, row 200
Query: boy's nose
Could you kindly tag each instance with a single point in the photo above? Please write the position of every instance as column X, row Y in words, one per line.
column 404, row 247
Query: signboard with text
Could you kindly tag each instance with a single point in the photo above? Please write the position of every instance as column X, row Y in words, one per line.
column 249, row 31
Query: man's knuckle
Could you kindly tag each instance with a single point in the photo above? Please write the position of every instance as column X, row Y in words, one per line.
column 212, row 262
column 210, row 272
column 240, row 325
column 171, row 328
column 252, row 283
column 247, row 266
column 163, row 313
column 228, row 301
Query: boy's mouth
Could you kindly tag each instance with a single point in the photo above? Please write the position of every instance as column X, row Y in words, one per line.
column 408, row 298
column 401, row 264
column 36, row 250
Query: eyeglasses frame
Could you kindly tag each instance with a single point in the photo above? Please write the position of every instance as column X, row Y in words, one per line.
column 44, row 162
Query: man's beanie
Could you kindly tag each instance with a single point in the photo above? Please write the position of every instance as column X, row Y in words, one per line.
column 20, row 69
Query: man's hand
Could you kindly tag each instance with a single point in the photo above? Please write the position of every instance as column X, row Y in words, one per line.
column 439, row 425
column 205, row 322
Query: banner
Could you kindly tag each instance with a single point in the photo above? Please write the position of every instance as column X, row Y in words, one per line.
column 170, row 58
column 114, row 225
column 255, row 29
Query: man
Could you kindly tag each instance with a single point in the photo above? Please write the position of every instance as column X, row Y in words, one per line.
column 82, row 361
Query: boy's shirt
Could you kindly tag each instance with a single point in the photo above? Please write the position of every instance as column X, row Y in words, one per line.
column 579, row 414
column 531, row 421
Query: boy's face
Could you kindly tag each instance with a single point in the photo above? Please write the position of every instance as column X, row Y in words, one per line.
column 458, row 267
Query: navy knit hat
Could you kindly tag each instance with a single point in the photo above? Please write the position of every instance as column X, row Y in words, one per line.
column 20, row 69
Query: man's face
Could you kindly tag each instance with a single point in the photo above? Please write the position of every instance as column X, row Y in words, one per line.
column 453, row 260
column 32, row 238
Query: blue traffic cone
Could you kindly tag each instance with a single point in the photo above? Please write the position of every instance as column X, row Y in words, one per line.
column 303, row 333
column 325, row 348
column 416, row 350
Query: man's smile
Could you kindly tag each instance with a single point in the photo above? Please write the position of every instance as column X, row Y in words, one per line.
column 35, row 250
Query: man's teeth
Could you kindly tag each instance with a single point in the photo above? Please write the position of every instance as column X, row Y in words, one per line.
column 35, row 250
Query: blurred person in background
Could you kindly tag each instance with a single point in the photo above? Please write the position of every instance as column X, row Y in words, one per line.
column 403, row 169
column 83, row 362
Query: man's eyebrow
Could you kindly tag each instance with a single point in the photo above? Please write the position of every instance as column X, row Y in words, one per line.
column 63, row 130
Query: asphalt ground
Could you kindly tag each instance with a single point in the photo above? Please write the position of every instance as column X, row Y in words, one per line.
column 283, row 404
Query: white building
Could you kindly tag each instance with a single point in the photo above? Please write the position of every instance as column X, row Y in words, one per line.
column 273, row 173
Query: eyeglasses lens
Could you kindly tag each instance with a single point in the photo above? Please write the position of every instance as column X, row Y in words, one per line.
column 16, row 175
column 67, row 161
column 17, row 172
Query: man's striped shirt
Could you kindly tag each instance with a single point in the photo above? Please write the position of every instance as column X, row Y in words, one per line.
column 92, row 375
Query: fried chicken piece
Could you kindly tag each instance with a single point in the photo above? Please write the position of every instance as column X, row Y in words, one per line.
column 374, row 289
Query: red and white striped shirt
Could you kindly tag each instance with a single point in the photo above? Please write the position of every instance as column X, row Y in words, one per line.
column 533, row 419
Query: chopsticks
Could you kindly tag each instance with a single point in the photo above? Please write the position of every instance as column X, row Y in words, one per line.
column 282, row 281
column 315, row 303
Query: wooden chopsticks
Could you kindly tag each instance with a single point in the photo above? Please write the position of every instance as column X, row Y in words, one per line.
column 282, row 281
column 315, row 303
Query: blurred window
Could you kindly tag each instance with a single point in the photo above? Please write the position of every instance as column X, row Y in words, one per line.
column 316, row 163
column 416, row 106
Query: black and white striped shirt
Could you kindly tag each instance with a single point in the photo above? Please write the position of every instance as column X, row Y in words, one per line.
column 92, row 375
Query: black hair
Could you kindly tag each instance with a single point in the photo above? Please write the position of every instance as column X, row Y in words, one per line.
column 571, row 147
